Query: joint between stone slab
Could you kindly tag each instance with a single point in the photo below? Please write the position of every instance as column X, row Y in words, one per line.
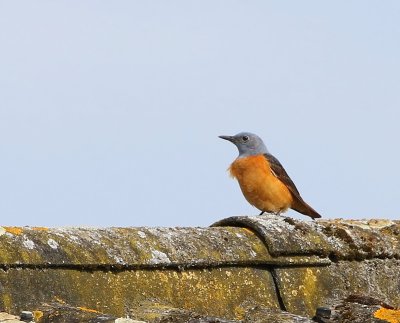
column 277, row 290
column 279, row 262
column 335, row 258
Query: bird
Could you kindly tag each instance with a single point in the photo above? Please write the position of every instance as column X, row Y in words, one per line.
column 264, row 182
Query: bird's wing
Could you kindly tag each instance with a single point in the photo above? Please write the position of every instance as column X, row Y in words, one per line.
column 299, row 204
column 280, row 173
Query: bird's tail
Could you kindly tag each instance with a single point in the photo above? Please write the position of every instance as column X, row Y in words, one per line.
column 300, row 206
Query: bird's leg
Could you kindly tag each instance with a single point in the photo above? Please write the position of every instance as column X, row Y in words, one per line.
column 280, row 213
column 271, row 212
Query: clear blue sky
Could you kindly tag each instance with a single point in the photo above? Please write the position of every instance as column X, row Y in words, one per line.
column 110, row 111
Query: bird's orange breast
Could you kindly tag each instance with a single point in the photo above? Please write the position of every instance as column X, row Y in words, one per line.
column 259, row 185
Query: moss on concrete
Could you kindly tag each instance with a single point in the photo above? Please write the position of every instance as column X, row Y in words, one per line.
column 221, row 292
column 129, row 246
column 224, row 271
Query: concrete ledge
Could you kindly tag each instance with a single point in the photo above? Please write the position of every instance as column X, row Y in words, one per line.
column 128, row 247
column 337, row 239
column 226, row 271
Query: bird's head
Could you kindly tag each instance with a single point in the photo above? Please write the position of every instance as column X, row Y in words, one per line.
column 247, row 143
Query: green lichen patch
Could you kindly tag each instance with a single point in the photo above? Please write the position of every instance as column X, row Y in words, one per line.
column 225, row 292
column 129, row 247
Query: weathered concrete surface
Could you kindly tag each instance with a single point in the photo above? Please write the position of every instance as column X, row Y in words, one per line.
column 271, row 263
column 282, row 235
column 338, row 239
column 359, row 309
column 263, row 314
column 361, row 239
column 153, row 312
column 134, row 247
column 63, row 313
column 304, row 289
column 221, row 292
column 158, row 313
column 354, row 309
column 364, row 259
column 8, row 318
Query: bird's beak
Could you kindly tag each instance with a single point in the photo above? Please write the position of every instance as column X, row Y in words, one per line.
column 229, row 138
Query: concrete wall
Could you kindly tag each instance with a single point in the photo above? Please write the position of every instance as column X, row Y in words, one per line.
column 225, row 271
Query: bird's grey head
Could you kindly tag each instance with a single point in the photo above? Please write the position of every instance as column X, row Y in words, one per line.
column 247, row 143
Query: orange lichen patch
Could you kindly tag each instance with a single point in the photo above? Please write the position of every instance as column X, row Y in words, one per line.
column 40, row 228
column 85, row 309
column 37, row 315
column 392, row 316
column 59, row 300
column 14, row 230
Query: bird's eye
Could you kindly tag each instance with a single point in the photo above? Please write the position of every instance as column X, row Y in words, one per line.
column 245, row 138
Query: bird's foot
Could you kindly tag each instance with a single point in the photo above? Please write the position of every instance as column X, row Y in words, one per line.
column 270, row 213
